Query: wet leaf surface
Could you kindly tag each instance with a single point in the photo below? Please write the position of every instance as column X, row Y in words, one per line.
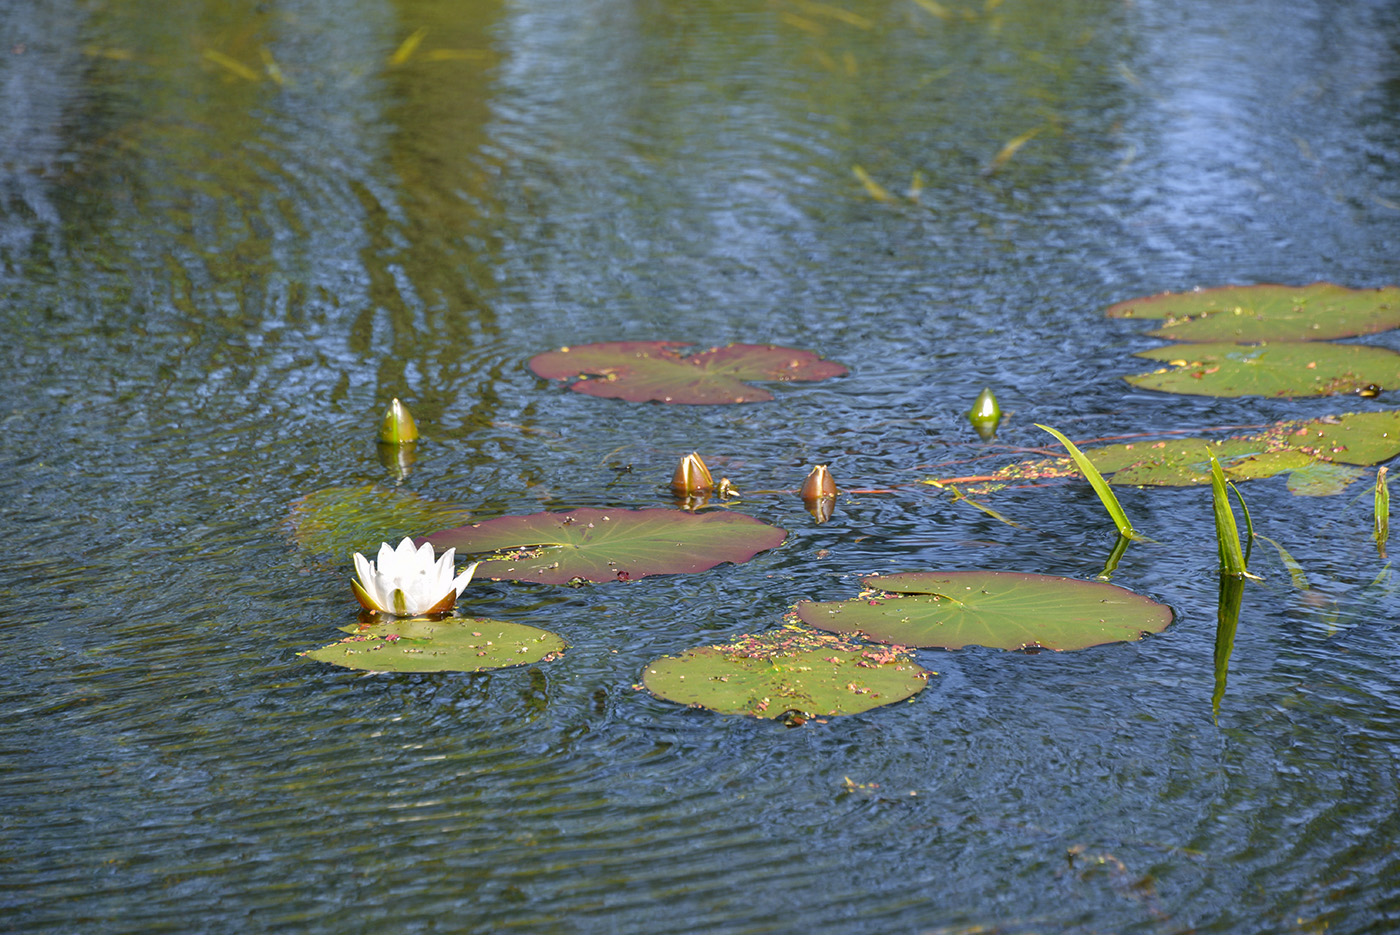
column 1250, row 314
column 998, row 609
column 446, row 645
column 1286, row 369
column 609, row 545
column 791, row 671
column 339, row 521
column 1315, row 454
column 643, row 371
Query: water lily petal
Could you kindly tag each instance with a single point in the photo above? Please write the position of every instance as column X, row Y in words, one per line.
column 461, row 581
column 366, row 600
column 368, row 583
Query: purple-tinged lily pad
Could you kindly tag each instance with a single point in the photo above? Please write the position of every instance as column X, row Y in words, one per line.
column 443, row 645
column 609, row 545
column 999, row 609
column 1298, row 368
column 1253, row 314
column 642, row 371
column 340, row 521
column 792, row 671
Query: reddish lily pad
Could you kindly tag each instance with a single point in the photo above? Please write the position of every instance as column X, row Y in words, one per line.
column 1251, row 314
column 998, row 609
column 642, row 371
column 444, row 645
column 1291, row 369
column 609, row 545
column 1315, row 454
column 340, row 521
column 792, row 671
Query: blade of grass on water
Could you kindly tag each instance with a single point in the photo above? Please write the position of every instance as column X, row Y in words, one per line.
column 1227, row 534
column 1382, row 510
column 1095, row 479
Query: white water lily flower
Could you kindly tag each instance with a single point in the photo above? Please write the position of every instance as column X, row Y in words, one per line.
column 407, row 582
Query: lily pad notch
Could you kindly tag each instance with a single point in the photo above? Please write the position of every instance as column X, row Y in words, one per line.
column 656, row 371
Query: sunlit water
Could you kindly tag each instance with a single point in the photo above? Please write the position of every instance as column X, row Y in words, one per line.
column 231, row 233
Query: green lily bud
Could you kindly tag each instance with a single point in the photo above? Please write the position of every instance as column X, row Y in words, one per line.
column 985, row 414
column 398, row 427
column 692, row 476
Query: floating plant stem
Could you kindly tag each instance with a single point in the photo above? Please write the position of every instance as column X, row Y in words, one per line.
column 1227, row 533
column 1095, row 479
column 1382, row 510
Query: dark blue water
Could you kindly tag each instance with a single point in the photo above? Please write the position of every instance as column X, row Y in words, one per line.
column 231, row 233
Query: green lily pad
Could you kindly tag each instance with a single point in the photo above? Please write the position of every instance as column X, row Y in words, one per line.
column 340, row 521
column 451, row 644
column 642, row 371
column 1251, row 314
column 1314, row 454
column 609, row 545
column 998, row 609
column 1297, row 368
column 792, row 670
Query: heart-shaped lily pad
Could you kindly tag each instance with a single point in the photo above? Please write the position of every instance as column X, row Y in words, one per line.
column 785, row 672
column 999, row 609
column 445, row 645
column 1250, row 314
column 609, row 545
column 1315, row 454
column 340, row 521
column 1298, row 368
column 642, row 371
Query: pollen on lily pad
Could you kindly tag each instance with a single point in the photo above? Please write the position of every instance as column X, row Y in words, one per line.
column 443, row 645
column 790, row 672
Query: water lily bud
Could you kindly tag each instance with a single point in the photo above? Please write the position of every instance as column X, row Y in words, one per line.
column 821, row 508
column 398, row 427
column 985, row 414
column 692, row 476
column 819, row 484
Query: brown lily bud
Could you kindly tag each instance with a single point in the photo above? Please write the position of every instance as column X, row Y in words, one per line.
column 692, row 476
column 819, row 484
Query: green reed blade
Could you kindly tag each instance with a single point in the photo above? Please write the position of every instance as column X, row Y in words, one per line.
column 1227, row 534
column 1095, row 479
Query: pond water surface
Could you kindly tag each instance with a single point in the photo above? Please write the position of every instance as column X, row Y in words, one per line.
column 232, row 232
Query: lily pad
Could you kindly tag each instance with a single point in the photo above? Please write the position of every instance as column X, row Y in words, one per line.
column 340, row 521
column 1315, row 455
column 445, row 645
column 1298, row 368
column 642, row 371
column 609, row 545
column 789, row 671
column 998, row 609
column 1250, row 314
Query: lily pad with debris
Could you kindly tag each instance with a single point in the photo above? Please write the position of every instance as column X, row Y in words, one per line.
column 1267, row 313
column 593, row 545
column 997, row 609
column 1294, row 369
column 449, row 644
column 657, row 371
column 793, row 672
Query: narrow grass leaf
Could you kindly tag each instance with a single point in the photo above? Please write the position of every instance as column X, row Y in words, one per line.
column 1227, row 534
column 1382, row 510
column 1095, row 479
